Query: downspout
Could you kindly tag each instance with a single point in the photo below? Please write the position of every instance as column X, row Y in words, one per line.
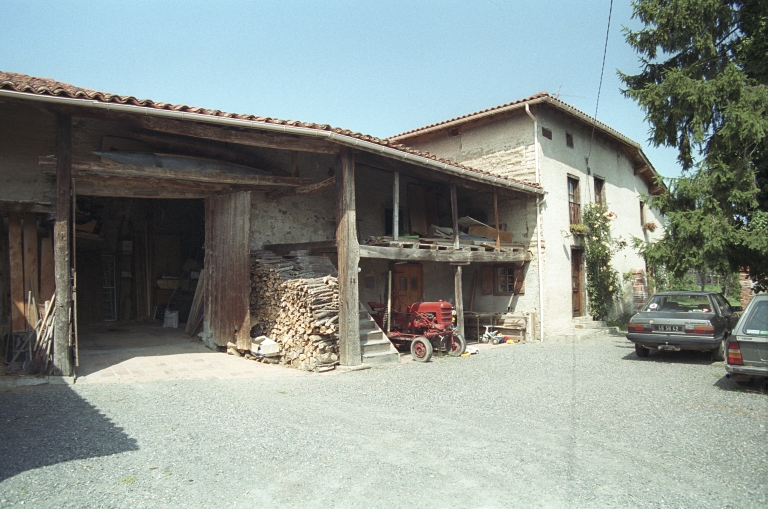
column 538, row 221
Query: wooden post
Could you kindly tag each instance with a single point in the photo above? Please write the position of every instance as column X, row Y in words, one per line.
column 18, row 299
column 496, row 217
column 459, row 299
column 349, row 257
column 31, row 282
column 62, row 360
column 396, row 207
column 455, row 217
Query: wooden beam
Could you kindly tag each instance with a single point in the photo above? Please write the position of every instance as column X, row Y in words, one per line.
column 459, row 299
column 149, row 188
column 396, row 206
column 62, row 360
column 26, row 206
column 429, row 255
column 15, row 254
column 349, row 259
column 210, row 131
column 311, row 188
column 455, row 216
column 83, row 169
column 31, row 280
column 208, row 149
column 496, row 217
column 319, row 245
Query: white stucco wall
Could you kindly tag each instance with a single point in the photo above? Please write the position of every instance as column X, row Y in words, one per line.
column 622, row 191
column 505, row 146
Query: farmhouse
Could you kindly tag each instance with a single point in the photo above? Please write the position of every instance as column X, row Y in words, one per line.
column 119, row 209
column 578, row 161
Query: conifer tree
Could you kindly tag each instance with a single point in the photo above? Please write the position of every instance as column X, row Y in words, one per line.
column 703, row 85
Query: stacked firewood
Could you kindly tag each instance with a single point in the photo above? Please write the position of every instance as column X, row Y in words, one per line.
column 295, row 302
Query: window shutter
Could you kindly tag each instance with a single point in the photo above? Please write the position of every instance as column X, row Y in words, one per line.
column 487, row 280
column 519, row 280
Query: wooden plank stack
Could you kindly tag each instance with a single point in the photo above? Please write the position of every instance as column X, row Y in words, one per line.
column 295, row 302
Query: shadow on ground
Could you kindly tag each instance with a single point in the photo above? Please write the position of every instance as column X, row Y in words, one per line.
column 754, row 386
column 681, row 357
column 48, row 424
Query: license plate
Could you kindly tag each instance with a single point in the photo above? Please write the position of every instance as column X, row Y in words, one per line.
column 670, row 328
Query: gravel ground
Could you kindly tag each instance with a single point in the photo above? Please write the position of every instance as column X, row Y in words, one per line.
column 531, row 425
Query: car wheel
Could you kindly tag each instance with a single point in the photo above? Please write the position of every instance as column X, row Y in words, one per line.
column 641, row 351
column 718, row 354
column 421, row 349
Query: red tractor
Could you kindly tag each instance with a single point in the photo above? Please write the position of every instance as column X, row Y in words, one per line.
column 425, row 325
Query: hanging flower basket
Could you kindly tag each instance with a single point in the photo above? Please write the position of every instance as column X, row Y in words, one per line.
column 579, row 229
column 650, row 226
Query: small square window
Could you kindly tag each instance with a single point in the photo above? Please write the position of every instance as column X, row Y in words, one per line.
column 547, row 133
column 569, row 140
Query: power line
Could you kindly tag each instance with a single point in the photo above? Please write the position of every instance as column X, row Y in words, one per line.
column 600, row 87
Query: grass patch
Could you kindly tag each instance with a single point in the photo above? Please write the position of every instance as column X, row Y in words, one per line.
column 128, row 480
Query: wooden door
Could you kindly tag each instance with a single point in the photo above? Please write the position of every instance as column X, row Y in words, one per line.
column 408, row 285
column 576, row 282
column 227, row 265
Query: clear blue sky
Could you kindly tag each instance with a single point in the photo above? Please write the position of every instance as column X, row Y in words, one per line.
column 375, row 67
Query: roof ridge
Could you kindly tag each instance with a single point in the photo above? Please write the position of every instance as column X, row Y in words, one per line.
column 25, row 83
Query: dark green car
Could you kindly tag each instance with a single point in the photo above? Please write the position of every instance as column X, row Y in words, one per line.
column 684, row 321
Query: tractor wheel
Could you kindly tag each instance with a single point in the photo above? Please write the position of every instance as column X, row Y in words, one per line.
column 458, row 346
column 495, row 341
column 421, row 349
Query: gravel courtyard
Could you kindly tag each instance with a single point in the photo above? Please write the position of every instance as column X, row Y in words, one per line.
column 529, row 425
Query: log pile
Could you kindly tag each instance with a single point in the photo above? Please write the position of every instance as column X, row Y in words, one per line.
column 295, row 302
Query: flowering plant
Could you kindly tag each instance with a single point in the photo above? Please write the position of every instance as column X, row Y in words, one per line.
column 579, row 229
column 650, row 226
column 602, row 279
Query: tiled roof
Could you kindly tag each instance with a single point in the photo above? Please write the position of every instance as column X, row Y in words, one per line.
column 468, row 116
column 537, row 98
column 44, row 86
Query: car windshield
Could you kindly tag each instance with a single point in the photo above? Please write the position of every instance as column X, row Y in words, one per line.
column 685, row 303
column 757, row 323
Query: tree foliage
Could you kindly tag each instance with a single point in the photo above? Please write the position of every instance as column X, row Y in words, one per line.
column 704, row 88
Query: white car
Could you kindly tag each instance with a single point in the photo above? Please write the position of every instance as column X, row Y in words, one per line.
column 748, row 345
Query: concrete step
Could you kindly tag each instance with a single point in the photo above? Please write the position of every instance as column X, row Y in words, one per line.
column 375, row 347
column 585, row 334
column 380, row 358
column 589, row 325
column 582, row 319
column 367, row 324
column 373, row 334
column 370, row 346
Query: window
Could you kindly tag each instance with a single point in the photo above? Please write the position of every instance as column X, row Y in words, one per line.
column 574, row 203
column 547, row 133
column 599, row 190
column 569, row 140
column 506, row 279
column 642, row 213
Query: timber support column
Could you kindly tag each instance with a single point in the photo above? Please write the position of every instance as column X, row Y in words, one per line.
column 349, row 258
column 62, row 358
column 459, row 298
column 458, row 293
